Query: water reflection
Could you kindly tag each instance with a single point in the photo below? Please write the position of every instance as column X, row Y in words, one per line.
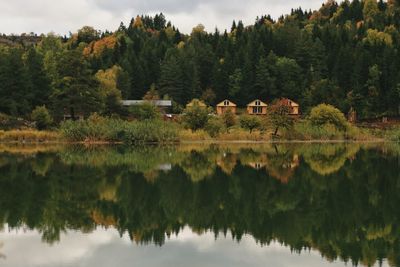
column 338, row 199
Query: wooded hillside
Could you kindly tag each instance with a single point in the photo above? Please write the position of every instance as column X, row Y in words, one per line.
column 345, row 54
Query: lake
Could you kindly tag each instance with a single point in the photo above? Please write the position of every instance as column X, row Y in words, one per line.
column 200, row 205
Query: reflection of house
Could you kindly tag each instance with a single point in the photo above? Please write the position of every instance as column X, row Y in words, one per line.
column 257, row 107
column 294, row 108
column 282, row 169
column 226, row 105
column 227, row 162
column 258, row 162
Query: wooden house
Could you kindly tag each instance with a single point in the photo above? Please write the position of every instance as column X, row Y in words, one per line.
column 226, row 105
column 294, row 108
column 257, row 107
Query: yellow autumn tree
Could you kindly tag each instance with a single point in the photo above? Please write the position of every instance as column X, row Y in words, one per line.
column 110, row 94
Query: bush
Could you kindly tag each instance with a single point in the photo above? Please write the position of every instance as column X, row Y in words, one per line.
column 305, row 130
column 95, row 128
column 41, row 116
column 155, row 131
column 102, row 129
column 229, row 119
column 195, row 117
column 250, row 123
column 327, row 114
column 146, row 111
column 215, row 126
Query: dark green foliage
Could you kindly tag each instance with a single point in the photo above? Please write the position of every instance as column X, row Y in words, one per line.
column 146, row 111
column 77, row 92
column 343, row 54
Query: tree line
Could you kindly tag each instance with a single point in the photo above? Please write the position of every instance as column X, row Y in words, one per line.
column 344, row 54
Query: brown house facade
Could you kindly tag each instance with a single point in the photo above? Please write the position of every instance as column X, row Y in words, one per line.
column 257, row 107
column 225, row 106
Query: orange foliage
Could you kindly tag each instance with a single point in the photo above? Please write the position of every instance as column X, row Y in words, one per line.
column 97, row 48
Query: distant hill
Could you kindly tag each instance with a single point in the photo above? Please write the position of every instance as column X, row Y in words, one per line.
column 23, row 39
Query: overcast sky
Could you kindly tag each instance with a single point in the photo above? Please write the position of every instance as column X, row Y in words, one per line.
column 64, row 16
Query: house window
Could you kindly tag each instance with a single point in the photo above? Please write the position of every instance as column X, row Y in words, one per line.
column 258, row 103
column 257, row 110
column 226, row 103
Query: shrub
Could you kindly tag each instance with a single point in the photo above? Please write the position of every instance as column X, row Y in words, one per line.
column 145, row 111
column 195, row 116
column 97, row 128
column 250, row 123
column 215, row 126
column 328, row 114
column 150, row 132
column 229, row 119
column 41, row 116
column 305, row 130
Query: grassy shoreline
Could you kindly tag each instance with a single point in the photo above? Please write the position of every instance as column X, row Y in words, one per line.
column 31, row 136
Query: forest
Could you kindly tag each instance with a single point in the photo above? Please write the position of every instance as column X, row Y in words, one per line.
column 344, row 54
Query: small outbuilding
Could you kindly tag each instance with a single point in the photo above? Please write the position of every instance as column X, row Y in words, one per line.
column 294, row 108
column 225, row 106
column 257, row 107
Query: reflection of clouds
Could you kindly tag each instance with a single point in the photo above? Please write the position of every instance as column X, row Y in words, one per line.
column 106, row 248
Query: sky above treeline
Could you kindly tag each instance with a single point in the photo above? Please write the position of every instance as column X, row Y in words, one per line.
column 64, row 16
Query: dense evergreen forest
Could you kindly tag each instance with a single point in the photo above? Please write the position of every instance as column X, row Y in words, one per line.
column 345, row 54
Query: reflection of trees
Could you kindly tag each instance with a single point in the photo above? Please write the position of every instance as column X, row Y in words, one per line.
column 328, row 158
column 198, row 166
column 353, row 217
column 282, row 163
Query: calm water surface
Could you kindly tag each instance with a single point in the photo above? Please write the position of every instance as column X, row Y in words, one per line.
column 201, row 205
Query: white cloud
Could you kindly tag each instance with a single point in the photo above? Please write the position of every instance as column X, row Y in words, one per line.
column 43, row 16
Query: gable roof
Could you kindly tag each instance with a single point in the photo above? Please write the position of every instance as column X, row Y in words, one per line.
column 288, row 102
column 253, row 104
column 230, row 104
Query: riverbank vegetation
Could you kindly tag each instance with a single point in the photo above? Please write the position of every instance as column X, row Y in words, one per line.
column 196, row 123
